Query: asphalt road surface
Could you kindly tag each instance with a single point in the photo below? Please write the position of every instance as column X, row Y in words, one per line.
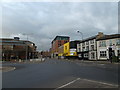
column 60, row 74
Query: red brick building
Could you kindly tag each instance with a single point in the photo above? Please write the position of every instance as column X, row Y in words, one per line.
column 57, row 42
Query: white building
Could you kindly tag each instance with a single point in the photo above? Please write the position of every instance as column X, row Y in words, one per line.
column 87, row 49
column 104, row 43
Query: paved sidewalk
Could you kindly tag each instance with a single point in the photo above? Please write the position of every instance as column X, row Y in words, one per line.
column 6, row 69
column 25, row 61
column 90, row 61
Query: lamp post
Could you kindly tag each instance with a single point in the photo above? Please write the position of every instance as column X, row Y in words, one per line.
column 26, row 45
column 80, row 33
column 81, row 40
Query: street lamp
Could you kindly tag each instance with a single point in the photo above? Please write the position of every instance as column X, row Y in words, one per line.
column 81, row 40
column 80, row 33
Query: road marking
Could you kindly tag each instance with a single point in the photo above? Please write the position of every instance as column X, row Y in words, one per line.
column 86, row 80
column 67, row 84
column 101, row 82
column 101, row 64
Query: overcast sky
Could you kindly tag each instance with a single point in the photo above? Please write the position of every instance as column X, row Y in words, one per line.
column 42, row 21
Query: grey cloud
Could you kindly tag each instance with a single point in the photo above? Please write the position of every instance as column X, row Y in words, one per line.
column 48, row 19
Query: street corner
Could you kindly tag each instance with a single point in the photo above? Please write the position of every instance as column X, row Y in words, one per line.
column 6, row 68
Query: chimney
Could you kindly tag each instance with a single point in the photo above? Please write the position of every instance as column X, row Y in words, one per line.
column 100, row 35
column 16, row 38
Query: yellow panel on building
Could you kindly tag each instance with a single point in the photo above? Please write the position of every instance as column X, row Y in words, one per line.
column 67, row 49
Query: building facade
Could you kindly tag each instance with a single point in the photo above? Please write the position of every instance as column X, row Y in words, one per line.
column 61, row 51
column 15, row 49
column 87, row 48
column 57, row 42
column 68, row 50
column 107, row 42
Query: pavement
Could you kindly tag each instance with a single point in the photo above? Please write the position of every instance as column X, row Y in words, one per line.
column 10, row 68
column 6, row 69
column 91, row 61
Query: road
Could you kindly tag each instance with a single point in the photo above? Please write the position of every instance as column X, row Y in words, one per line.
column 58, row 73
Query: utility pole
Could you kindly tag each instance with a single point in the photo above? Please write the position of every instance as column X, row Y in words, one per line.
column 27, row 54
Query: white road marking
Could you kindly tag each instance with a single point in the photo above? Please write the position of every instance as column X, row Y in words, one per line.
column 101, row 64
column 67, row 84
column 101, row 82
column 86, row 80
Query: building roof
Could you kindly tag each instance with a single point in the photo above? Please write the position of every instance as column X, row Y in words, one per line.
column 105, row 37
column 90, row 38
column 14, row 41
column 76, row 41
column 60, row 36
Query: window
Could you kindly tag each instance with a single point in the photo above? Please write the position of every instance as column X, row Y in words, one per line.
column 59, row 42
column 65, row 47
column 87, row 48
column 83, row 49
column 92, row 47
column 86, row 55
column 92, row 41
column 78, row 48
column 118, row 42
column 59, row 45
column 83, row 44
column 7, row 47
column 92, row 55
column 87, row 43
column 102, row 53
column 65, row 41
column 110, row 42
column 79, row 55
column 102, row 44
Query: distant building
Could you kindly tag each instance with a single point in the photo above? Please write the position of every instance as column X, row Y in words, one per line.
column 45, row 54
column 15, row 49
column 57, row 42
column 107, row 42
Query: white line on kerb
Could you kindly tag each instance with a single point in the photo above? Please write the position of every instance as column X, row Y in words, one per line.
column 67, row 84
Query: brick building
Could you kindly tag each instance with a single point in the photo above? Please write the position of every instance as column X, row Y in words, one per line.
column 57, row 42
column 15, row 49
